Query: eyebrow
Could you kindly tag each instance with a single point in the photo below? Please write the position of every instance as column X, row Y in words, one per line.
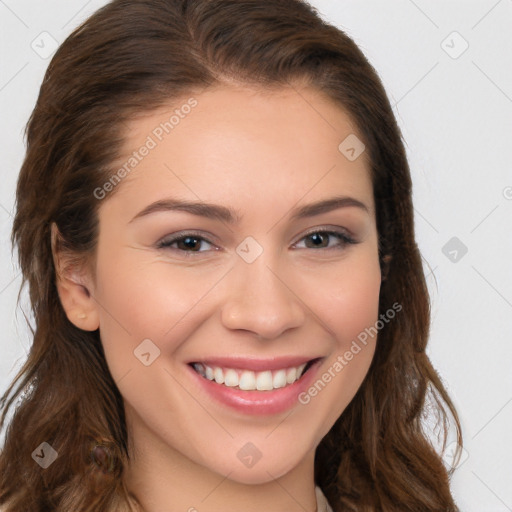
column 230, row 216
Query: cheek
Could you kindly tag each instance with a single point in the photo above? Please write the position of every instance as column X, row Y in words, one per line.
column 354, row 305
column 346, row 297
column 141, row 300
column 347, row 303
column 351, row 309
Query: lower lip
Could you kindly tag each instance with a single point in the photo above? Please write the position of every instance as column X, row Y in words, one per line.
column 258, row 402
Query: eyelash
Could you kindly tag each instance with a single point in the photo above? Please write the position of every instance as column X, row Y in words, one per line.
column 340, row 235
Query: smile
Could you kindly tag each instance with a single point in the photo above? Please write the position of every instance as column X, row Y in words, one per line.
column 254, row 387
column 248, row 380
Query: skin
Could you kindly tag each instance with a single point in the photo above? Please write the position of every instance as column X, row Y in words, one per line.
column 261, row 154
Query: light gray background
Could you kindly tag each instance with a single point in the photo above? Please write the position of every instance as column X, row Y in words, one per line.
column 455, row 112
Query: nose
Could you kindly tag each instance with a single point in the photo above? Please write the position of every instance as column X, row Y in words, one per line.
column 261, row 300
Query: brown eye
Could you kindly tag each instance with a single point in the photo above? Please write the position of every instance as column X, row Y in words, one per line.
column 318, row 239
column 192, row 243
column 321, row 239
column 185, row 243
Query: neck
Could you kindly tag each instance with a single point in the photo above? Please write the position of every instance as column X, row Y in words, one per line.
column 162, row 478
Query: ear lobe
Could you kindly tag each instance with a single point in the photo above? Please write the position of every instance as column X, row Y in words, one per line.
column 72, row 287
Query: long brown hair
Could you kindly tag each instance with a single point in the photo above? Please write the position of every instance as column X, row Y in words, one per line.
column 133, row 56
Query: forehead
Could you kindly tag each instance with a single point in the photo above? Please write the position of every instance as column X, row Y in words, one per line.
column 238, row 142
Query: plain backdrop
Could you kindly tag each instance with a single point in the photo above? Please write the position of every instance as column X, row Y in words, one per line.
column 447, row 68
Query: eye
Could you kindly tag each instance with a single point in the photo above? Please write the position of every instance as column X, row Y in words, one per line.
column 320, row 238
column 191, row 242
column 185, row 242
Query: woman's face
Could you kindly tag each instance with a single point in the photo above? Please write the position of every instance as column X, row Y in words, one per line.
column 261, row 274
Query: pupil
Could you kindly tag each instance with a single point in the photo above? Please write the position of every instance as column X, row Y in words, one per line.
column 190, row 242
column 317, row 238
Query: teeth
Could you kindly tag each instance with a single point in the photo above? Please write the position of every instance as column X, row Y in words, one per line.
column 279, row 380
column 231, row 378
column 248, row 380
column 264, row 381
column 199, row 368
column 218, row 375
column 291, row 375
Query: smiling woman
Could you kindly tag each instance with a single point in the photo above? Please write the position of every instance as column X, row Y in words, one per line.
column 230, row 309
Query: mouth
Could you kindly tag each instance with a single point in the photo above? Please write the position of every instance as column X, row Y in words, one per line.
column 262, row 379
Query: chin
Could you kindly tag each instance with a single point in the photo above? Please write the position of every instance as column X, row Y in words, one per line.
column 260, row 470
column 259, row 475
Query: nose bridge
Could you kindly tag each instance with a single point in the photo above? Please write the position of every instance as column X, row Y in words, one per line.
column 259, row 299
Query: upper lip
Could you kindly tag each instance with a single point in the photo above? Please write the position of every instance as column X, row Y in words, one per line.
column 255, row 364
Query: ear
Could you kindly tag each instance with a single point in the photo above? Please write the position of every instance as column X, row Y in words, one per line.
column 73, row 287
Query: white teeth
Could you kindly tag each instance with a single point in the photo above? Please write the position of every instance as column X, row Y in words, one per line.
column 218, row 375
column 291, row 375
column 279, row 380
column 248, row 380
column 208, row 373
column 231, row 378
column 264, row 381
